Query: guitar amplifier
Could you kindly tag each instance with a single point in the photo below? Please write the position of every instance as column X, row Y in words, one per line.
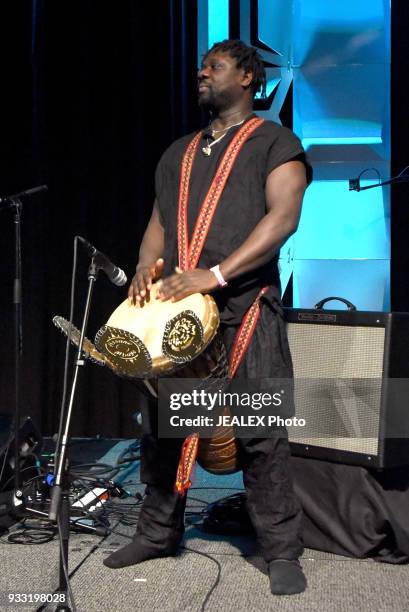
column 351, row 386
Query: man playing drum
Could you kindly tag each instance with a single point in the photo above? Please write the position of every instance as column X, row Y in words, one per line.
column 227, row 199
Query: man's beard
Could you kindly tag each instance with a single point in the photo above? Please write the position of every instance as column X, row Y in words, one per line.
column 216, row 102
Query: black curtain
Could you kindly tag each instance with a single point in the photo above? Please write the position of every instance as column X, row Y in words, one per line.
column 93, row 92
column 400, row 155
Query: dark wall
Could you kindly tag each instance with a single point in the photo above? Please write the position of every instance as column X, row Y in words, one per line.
column 93, row 92
column 400, row 155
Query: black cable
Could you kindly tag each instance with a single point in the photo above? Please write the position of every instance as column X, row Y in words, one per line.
column 90, row 514
column 111, row 471
column 41, row 534
column 29, row 467
column 45, row 533
column 380, row 183
column 62, row 410
column 106, row 466
column 78, row 496
column 367, row 170
column 393, row 178
column 80, row 477
column 128, row 513
column 219, row 573
column 67, row 352
column 37, row 522
column 106, row 513
column 32, row 536
column 134, row 446
column 118, row 509
column 37, row 536
column 121, row 461
column 400, row 173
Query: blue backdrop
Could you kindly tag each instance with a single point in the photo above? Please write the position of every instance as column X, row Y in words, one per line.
column 331, row 62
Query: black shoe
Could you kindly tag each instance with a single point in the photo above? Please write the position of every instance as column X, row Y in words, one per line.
column 136, row 552
column 286, row 577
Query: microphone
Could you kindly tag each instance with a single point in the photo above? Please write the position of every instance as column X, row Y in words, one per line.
column 23, row 194
column 115, row 274
column 354, row 184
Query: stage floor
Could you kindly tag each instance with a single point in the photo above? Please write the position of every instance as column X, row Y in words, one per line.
column 182, row 583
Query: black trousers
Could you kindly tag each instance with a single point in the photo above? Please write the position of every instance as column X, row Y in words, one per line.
column 272, row 506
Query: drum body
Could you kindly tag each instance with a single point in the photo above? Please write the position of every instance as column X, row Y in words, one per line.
column 178, row 339
column 219, row 454
column 156, row 338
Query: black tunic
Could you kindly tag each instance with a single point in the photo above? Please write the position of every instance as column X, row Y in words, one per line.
column 272, row 506
column 241, row 206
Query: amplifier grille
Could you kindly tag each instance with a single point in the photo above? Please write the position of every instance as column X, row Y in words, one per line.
column 336, row 351
column 341, row 401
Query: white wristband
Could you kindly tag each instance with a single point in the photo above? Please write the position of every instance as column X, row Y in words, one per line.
column 219, row 276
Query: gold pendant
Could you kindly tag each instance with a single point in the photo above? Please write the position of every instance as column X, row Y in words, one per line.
column 207, row 150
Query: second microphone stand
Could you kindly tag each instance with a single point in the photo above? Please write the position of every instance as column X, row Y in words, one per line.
column 59, row 502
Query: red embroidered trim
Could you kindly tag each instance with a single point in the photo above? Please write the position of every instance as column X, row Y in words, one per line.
column 245, row 333
column 191, row 444
column 186, row 464
column 189, row 255
column 184, row 185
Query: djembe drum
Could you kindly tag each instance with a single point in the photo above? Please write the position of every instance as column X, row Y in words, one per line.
column 158, row 339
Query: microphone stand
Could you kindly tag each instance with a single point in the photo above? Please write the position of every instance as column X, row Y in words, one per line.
column 59, row 502
column 18, row 342
column 14, row 202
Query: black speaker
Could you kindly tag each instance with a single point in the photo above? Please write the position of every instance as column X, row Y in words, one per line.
column 351, row 387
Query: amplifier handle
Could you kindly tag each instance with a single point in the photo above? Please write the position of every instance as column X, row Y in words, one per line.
column 319, row 305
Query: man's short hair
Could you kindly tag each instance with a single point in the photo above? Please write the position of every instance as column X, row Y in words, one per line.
column 247, row 58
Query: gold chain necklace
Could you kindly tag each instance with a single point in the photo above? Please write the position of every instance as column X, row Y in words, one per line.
column 207, row 149
column 227, row 128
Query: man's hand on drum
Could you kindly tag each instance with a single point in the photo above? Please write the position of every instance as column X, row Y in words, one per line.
column 182, row 284
column 141, row 283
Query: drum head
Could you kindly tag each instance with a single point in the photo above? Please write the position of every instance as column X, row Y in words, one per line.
column 158, row 337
